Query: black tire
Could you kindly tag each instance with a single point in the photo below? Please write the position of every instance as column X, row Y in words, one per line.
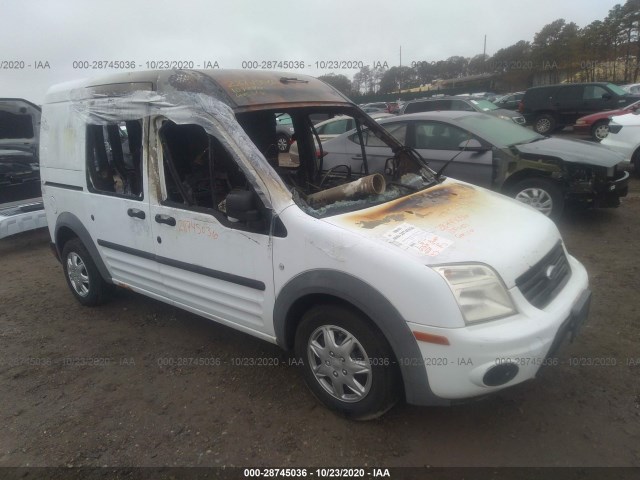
column 84, row 281
column 635, row 162
column 600, row 130
column 542, row 194
column 283, row 143
column 544, row 124
column 378, row 385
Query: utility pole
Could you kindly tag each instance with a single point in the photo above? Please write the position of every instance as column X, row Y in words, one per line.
column 400, row 73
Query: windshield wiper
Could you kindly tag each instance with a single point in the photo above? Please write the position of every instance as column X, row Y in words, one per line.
column 442, row 169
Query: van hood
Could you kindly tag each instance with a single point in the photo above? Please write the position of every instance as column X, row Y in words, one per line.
column 573, row 151
column 456, row 222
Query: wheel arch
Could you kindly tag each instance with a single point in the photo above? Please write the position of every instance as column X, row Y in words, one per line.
column 552, row 113
column 68, row 226
column 526, row 174
column 329, row 286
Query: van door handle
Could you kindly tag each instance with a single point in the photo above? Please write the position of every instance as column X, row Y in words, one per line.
column 134, row 212
column 357, row 157
column 166, row 220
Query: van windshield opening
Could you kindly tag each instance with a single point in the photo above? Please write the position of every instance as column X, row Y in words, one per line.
column 336, row 160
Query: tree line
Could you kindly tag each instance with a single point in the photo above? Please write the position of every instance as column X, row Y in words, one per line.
column 604, row 50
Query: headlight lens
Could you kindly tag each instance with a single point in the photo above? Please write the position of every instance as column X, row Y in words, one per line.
column 479, row 291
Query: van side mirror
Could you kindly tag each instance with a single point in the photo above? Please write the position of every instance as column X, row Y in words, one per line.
column 606, row 96
column 472, row 145
column 241, row 206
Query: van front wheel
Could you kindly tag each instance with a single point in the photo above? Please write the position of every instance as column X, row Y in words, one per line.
column 347, row 363
column 82, row 275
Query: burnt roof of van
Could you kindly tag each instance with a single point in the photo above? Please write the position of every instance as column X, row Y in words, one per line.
column 242, row 90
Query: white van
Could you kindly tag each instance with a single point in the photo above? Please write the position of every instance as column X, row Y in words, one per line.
column 402, row 285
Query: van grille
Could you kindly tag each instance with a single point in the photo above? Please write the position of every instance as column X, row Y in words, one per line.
column 542, row 282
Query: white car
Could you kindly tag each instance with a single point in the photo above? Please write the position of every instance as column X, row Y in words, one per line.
column 624, row 136
column 633, row 88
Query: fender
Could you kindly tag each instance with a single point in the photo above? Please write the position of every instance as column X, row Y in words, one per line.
column 373, row 304
column 70, row 221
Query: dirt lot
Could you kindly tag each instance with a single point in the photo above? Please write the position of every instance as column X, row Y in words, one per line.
column 91, row 386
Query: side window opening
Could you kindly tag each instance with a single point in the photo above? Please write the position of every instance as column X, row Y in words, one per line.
column 14, row 125
column 438, row 136
column 114, row 158
column 201, row 174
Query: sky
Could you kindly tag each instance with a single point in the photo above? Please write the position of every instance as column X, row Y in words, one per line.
column 44, row 42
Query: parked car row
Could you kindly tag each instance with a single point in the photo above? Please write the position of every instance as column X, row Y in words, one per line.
column 597, row 124
column 380, row 107
column 463, row 104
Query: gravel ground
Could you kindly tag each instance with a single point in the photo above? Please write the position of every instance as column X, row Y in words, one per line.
column 90, row 387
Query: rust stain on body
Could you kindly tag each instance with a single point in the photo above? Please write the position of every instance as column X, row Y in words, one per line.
column 437, row 201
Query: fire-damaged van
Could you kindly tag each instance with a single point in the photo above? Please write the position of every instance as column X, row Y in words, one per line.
column 402, row 284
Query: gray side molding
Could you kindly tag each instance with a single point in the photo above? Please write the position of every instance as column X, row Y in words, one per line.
column 73, row 223
column 373, row 304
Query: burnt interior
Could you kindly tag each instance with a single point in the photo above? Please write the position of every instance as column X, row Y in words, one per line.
column 200, row 174
column 305, row 172
column 114, row 158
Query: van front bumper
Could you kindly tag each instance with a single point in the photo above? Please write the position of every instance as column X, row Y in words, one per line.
column 484, row 358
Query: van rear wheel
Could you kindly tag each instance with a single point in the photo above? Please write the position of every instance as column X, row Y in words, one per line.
column 347, row 362
column 82, row 275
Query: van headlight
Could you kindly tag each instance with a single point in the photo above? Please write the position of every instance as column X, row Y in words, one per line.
column 479, row 291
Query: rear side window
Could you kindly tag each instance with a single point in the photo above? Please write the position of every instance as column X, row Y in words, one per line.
column 572, row 93
column 114, row 159
column 538, row 95
column 336, row 128
column 397, row 130
column 594, row 92
column 15, row 125
column 438, row 136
